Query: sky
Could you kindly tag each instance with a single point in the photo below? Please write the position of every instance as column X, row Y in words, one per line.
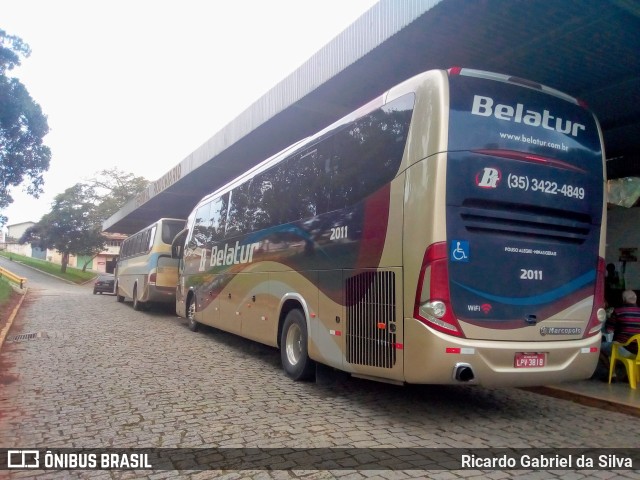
column 139, row 85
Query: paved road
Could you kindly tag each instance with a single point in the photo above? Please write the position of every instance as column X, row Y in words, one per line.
column 103, row 375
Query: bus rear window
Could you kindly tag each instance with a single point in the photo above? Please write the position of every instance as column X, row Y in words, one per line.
column 487, row 114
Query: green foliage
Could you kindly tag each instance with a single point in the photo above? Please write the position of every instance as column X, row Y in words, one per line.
column 71, row 227
column 23, row 156
column 74, row 224
column 11, row 49
column 112, row 189
column 5, row 291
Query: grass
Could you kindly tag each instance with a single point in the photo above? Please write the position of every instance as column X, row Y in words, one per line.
column 6, row 300
column 72, row 274
column 5, row 291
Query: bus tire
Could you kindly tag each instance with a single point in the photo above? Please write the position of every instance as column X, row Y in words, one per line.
column 294, row 347
column 137, row 304
column 191, row 314
column 119, row 298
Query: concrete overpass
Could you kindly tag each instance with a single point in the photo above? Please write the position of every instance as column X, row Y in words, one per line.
column 587, row 48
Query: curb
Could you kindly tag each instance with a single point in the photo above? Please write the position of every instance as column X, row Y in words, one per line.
column 584, row 399
column 7, row 327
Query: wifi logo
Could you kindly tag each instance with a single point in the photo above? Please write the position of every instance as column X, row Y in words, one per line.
column 486, row 308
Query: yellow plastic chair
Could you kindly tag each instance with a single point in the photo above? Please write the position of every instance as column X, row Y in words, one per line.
column 631, row 362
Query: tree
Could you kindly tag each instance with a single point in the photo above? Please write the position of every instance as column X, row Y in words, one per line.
column 22, row 128
column 71, row 227
column 74, row 224
column 112, row 189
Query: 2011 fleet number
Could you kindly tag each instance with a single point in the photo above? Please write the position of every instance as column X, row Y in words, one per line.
column 526, row 274
column 338, row 233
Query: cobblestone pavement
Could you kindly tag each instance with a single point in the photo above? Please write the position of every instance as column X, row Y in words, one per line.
column 102, row 375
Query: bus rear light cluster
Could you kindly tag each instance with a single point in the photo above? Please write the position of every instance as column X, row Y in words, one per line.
column 152, row 278
column 598, row 313
column 433, row 302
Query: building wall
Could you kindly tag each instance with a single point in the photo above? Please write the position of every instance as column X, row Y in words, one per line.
column 18, row 249
column 16, row 230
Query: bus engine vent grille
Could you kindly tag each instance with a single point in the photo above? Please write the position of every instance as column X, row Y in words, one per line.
column 371, row 310
column 502, row 218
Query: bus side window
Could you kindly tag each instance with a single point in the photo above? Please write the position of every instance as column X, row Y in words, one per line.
column 200, row 236
column 151, row 235
column 294, row 189
column 262, row 193
column 218, row 215
column 269, row 194
column 368, row 153
column 240, row 217
column 137, row 240
column 312, row 181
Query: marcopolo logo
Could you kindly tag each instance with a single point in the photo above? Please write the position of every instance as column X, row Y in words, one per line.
column 560, row 331
column 486, row 107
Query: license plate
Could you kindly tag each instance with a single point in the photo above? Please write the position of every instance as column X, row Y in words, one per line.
column 529, row 360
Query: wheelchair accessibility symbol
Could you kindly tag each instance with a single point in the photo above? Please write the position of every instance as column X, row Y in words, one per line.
column 459, row 251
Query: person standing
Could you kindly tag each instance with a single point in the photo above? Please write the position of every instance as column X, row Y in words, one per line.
column 612, row 286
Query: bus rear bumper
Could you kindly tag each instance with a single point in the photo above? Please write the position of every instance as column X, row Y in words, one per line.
column 157, row 294
column 436, row 358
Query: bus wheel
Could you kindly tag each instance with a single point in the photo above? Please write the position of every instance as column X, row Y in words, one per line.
column 119, row 298
column 293, row 347
column 191, row 314
column 137, row 304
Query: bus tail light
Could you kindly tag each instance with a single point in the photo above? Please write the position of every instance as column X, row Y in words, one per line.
column 433, row 302
column 598, row 313
column 152, row 277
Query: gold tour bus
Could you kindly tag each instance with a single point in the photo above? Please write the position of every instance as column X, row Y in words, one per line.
column 146, row 271
column 449, row 231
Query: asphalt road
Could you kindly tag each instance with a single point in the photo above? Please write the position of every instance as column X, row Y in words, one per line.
column 97, row 374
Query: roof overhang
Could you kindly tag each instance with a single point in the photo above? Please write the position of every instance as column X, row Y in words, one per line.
column 586, row 48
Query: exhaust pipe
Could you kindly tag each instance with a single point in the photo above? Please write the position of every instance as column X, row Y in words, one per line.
column 463, row 372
